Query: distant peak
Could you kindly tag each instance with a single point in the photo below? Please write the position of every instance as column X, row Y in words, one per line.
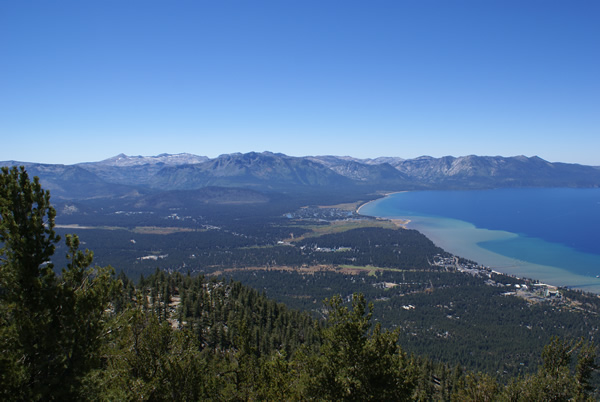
column 521, row 158
column 164, row 158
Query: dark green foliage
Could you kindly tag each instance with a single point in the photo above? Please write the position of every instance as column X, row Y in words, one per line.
column 355, row 362
column 556, row 380
column 148, row 360
column 457, row 317
column 27, row 282
column 234, row 334
column 206, row 251
column 402, row 248
column 221, row 313
column 82, row 335
column 51, row 326
column 476, row 387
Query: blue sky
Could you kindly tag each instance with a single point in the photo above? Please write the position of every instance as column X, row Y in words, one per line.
column 86, row 80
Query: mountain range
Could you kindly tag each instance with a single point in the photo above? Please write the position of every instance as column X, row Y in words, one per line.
column 136, row 176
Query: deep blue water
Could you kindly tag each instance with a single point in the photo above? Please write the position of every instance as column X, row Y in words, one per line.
column 558, row 227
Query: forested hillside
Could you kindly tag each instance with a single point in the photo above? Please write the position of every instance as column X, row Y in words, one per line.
column 70, row 330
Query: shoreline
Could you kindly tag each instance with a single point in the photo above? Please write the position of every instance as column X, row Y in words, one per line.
column 384, row 195
column 463, row 239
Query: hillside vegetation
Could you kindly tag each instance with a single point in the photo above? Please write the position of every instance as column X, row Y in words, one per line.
column 71, row 330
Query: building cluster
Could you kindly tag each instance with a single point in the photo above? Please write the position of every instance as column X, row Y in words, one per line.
column 530, row 290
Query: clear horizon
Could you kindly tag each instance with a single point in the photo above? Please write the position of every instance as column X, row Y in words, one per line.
column 301, row 156
column 85, row 81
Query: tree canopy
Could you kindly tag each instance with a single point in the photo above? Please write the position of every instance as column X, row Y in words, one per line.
column 84, row 335
column 51, row 326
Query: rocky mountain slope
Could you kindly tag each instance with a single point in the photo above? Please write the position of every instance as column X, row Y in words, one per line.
column 135, row 176
column 475, row 171
column 257, row 170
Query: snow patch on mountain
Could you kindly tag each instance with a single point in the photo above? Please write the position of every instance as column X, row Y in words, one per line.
column 123, row 160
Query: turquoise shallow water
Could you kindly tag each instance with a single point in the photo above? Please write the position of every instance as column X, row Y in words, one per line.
column 546, row 234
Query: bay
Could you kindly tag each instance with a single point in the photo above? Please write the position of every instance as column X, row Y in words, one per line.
column 549, row 234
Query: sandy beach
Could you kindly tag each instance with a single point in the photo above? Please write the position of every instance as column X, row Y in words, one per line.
column 464, row 239
column 384, row 195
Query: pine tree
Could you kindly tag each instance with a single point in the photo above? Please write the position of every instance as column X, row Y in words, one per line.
column 50, row 325
column 355, row 362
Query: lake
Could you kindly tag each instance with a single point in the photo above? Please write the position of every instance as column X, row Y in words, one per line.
column 549, row 234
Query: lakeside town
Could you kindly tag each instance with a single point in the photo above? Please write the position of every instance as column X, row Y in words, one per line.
column 529, row 289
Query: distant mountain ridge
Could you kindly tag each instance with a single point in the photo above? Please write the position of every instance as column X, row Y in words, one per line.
column 132, row 176
column 468, row 172
column 123, row 160
column 257, row 170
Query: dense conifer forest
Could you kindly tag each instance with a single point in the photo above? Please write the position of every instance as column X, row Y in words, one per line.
column 366, row 313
